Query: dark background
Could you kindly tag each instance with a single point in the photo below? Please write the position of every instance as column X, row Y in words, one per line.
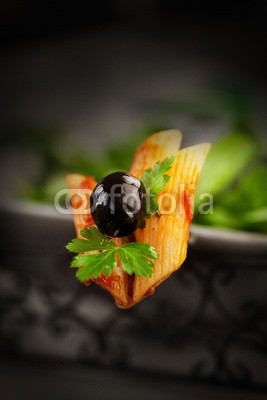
column 92, row 70
column 89, row 68
column 27, row 20
column 226, row 23
column 222, row 35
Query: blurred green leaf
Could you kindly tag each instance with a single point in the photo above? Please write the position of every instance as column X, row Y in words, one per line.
column 249, row 193
column 227, row 158
column 220, row 217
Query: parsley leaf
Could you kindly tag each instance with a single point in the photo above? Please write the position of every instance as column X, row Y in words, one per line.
column 136, row 258
column 155, row 180
column 94, row 265
column 94, row 241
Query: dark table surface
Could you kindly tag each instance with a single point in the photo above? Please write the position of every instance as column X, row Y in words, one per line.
column 32, row 379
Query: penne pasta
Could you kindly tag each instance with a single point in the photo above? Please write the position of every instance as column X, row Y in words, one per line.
column 168, row 232
column 80, row 189
column 157, row 147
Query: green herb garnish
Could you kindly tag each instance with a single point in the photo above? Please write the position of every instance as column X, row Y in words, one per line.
column 136, row 258
column 155, row 180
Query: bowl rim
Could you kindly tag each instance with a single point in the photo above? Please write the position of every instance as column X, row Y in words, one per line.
column 200, row 235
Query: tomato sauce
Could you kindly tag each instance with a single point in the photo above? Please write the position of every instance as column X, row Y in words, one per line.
column 109, row 281
column 186, row 204
column 150, row 291
column 88, row 183
column 88, row 220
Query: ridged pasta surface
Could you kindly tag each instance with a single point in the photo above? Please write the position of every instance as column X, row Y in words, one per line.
column 168, row 232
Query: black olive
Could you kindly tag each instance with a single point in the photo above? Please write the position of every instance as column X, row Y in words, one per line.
column 118, row 204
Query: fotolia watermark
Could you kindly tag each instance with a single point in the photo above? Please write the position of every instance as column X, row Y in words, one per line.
column 79, row 201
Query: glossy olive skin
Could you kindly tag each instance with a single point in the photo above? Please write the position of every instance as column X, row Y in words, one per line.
column 118, row 204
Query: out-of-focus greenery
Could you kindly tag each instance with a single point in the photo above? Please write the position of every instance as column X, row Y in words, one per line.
column 227, row 158
column 234, row 173
column 58, row 160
